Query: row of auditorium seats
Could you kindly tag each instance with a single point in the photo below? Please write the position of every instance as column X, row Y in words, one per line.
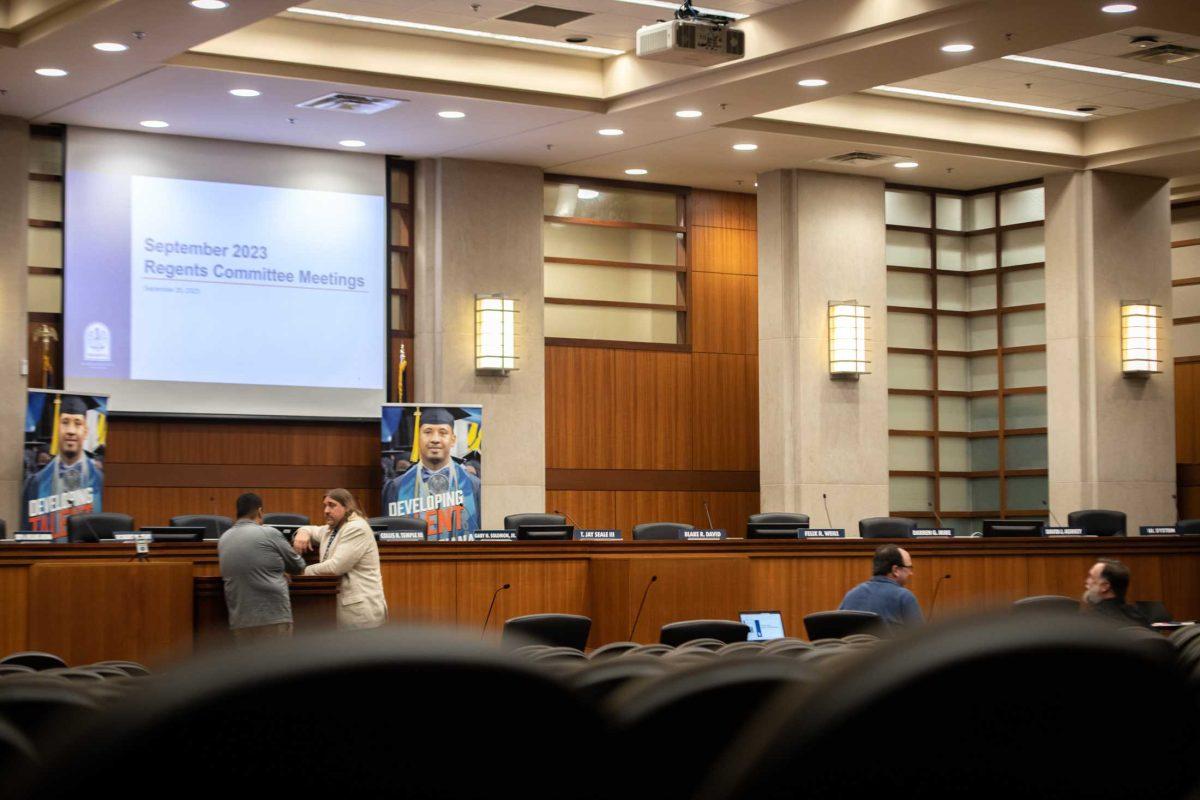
column 102, row 525
column 572, row 630
column 1032, row 705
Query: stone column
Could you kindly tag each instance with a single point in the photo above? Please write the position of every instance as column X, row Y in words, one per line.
column 820, row 238
column 14, row 179
column 1111, row 438
column 480, row 231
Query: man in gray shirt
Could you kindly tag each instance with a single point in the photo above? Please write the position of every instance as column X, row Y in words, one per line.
column 253, row 561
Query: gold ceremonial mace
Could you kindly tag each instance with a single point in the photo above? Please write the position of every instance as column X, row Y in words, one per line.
column 400, row 375
column 45, row 335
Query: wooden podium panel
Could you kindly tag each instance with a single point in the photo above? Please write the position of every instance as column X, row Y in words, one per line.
column 93, row 611
column 688, row 587
column 538, row 586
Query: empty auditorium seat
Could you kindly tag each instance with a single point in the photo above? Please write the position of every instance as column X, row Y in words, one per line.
column 93, row 527
column 559, row 630
column 1098, row 521
column 836, row 624
column 723, row 630
column 250, row 714
column 1047, row 602
column 34, row 660
column 886, row 527
column 600, row 679
column 1013, row 736
column 213, row 524
column 612, row 649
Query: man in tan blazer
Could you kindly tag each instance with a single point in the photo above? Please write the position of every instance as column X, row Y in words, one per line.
column 347, row 548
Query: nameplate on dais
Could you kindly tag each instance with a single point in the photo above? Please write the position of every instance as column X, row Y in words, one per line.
column 822, row 533
column 596, row 535
column 933, row 533
column 494, row 536
column 1157, row 530
column 1048, row 531
column 713, row 535
column 401, row 536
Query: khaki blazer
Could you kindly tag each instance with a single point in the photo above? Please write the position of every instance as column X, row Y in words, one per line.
column 354, row 556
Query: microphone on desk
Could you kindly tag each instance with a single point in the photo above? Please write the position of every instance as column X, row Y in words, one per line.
column 488, row 618
column 1051, row 513
column 641, row 605
column 567, row 517
column 936, row 587
column 711, row 527
column 937, row 517
column 825, row 502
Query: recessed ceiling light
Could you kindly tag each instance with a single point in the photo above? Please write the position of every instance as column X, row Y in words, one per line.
column 209, row 5
column 983, row 101
column 352, row 143
column 906, row 165
column 636, row 171
column 958, row 47
column 1118, row 8
column 451, row 114
column 675, row 6
column 424, row 26
column 51, row 72
column 587, row 194
column 245, row 92
column 610, row 132
column 576, row 39
column 1116, row 73
column 689, row 113
column 110, row 47
column 153, row 123
column 745, row 146
column 812, row 83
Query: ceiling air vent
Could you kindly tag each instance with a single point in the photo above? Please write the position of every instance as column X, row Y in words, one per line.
column 351, row 103
column 861, row 158
column 549, row 16
column 1164, row 54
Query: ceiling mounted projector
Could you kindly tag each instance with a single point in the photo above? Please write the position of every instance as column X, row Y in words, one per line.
column 698, row 42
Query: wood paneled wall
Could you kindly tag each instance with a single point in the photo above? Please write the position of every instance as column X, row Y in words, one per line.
column 159, row 468
column 1187, row 436
column 643, row 435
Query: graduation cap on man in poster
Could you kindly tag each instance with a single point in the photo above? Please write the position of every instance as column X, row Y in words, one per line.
column 443, row 415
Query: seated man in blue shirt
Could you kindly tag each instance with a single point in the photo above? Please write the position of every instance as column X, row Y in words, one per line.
column 885, row 594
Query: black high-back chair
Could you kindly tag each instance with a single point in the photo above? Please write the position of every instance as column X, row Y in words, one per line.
column 886, row 527
column 34, row 659
column 514, row 521
column 836, row 624
column 213, row 524
column 284, row 518
column 1190, row 527
column 1098, row 521
column 211, row 708
column 556, row 630
column 723, row 630
column 810, row 743
column 659, row 531
column 3, row 529
column 400, row 523
column 97, row 525
column 781, row 517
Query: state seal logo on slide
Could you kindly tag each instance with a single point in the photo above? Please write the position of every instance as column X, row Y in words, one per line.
column 97, row 343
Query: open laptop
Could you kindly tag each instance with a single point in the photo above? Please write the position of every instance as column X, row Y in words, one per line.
column 764, row 625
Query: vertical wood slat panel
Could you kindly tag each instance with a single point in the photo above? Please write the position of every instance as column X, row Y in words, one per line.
column 723, row 210
column 1185, row 413
column 725, row 308
column 650, row 393
column 580, row 408
column 725, row 412
column 724, row 250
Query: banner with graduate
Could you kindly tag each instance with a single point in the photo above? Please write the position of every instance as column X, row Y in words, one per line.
column 433, row 466
column 65, row 436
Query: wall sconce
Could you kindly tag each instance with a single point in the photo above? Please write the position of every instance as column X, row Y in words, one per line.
column 1139, row 339
column 495, row 334
column 848, row 339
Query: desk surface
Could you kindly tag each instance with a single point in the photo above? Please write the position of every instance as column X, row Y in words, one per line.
column 453, row 582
